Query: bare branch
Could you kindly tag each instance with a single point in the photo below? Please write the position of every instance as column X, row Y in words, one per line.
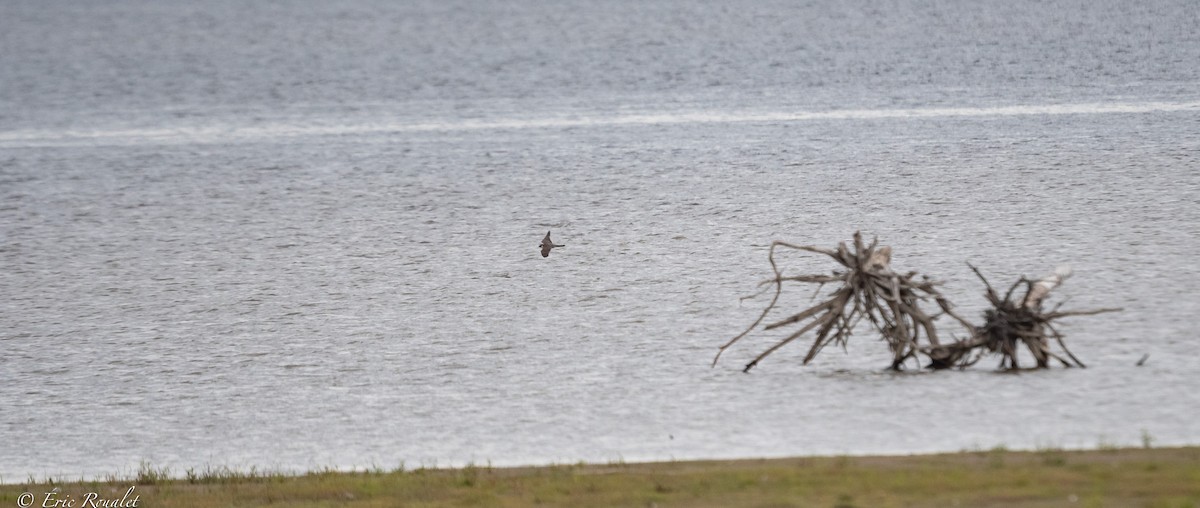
column 1056, row 315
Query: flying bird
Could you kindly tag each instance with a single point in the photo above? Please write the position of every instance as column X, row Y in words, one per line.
column 547, row 245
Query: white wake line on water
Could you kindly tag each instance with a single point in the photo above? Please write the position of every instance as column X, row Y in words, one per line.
column 228, row 133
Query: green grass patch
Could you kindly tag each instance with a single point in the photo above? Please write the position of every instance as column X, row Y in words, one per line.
column 1166, row 477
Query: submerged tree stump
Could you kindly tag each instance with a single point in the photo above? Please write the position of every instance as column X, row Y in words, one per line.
column 870, row 289
column 1011, row 323
column 892, row 303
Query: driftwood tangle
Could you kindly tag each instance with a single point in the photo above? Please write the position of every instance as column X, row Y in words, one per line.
column 892, row 303
column 1011, row 323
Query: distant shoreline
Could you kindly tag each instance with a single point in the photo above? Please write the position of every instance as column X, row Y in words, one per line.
column 997, row 477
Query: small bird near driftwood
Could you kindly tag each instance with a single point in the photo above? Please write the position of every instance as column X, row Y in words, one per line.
column 547, row 245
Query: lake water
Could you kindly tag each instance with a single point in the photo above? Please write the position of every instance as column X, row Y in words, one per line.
column 295, row 234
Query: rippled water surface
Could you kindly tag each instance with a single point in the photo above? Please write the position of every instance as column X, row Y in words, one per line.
column 296, row 235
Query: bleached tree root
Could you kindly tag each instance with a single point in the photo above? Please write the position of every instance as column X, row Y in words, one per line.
column 892, row 303
column 870, row 289
column 1010, row 324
